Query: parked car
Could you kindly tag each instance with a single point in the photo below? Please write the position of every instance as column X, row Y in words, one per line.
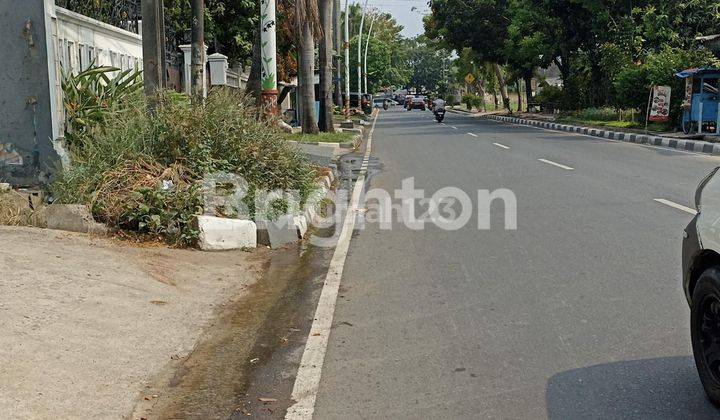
column 701, row 282
column 417, row 102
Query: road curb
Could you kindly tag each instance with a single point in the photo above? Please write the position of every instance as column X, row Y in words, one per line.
column 696, row 146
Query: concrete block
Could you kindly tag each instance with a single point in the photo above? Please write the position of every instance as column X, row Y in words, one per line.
column 73, row 218
column 221, row 234
column 301, row 224
column 278, row 233
column 347, row 124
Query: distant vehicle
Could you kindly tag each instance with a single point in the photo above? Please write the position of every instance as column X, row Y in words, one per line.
column 439, row 114
column 417, row 102
column 701, row 282
column 380, row 102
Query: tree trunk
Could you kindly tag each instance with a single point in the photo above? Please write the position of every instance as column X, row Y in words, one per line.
column 495, row 99
column 502, row 86
column 254, row 83
column 519, row 95
column 325, row 119
column 528, row 89
column 306, row 82
column 152, row 76
column 197, row 61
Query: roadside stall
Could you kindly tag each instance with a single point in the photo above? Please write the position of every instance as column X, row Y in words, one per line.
column 701, row 113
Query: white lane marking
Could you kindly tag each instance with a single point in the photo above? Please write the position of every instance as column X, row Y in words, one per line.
column 559, row 165
column 442, row 123
column 307, row 380
column 647, row 146
column 502, row 146
column 453, row 127
column 471, row 134
column 676, row 205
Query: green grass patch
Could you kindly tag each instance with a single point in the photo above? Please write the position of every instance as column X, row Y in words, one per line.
column 337, row 137
column 628, row 125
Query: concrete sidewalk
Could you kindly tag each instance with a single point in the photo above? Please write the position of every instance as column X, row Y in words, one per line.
column 87, row 322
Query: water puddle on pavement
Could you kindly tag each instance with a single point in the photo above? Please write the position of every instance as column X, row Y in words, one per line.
column 246, row 361
column 212, row 382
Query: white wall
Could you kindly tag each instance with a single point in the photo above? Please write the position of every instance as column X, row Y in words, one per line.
column 80, row 40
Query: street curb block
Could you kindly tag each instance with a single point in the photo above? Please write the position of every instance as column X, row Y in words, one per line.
column 697, row 146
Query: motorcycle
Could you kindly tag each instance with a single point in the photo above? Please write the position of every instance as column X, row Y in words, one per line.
column 439, row 114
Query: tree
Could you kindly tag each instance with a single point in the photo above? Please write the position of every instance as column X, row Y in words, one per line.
column 308, row 29
column 478, row 24
column 325, row 120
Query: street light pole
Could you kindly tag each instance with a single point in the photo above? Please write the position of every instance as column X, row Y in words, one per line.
column 367, row 45
column 268, row 43
column 346, row 47
column 359, row 57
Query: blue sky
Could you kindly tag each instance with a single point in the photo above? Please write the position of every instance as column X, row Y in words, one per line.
column 401, row 9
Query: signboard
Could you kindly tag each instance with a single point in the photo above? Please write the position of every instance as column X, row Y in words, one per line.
column 469, row 79
column 660, row 105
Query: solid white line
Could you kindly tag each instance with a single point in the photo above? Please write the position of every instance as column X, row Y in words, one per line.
column 501, row 146
column 676, row 205
column 307, row 380
column 453, row 127
column 559, row 165
column 474, row 135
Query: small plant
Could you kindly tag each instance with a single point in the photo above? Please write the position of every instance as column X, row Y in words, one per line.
column 166, row 213
column 90, row 94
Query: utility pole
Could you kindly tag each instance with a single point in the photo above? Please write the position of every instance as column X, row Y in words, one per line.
column 359, row 58
column 197, row 54
column 153, row 45
column 346, row 47
column 268, row 43
column 367, row 46
column 337, row 43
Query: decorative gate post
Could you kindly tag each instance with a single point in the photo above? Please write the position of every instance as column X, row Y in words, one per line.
column 268, row 48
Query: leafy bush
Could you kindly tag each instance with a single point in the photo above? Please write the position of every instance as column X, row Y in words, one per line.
column 88, row 95
column 471, row 100
column 122, row 167
column 549, row 94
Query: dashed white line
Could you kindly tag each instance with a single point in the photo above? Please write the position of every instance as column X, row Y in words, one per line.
column 502, row 146
column 471, row 134
column 307, row 381
column 453, row 127
column 559, row 165
column 676, row 205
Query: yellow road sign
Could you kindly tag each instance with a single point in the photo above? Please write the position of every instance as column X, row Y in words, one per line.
column 469, row 79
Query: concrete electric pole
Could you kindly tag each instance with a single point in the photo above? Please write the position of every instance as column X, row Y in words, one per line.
column 197, row 60
column 268, row 45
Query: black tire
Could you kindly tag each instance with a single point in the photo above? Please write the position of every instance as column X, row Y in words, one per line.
column 705, row 331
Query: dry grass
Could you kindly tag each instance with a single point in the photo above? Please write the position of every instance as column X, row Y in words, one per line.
column 10, row 212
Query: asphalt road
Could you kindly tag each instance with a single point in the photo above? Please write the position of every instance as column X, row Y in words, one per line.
column 579, row 313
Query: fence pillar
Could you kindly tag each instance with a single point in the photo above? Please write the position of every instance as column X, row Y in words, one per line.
column 187, row 58
column 218, row 69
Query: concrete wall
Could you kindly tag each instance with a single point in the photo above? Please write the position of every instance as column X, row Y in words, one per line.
column 26, row 106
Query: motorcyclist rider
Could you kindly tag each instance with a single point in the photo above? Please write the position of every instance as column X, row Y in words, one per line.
column 438, row 104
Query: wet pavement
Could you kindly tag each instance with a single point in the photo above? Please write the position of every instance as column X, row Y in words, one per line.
column 230, row 367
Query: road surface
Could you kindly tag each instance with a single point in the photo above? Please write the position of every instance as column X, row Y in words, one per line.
column 578, row 313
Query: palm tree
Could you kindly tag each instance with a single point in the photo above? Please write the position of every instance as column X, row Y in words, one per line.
column 308, row 29
column 326, row 67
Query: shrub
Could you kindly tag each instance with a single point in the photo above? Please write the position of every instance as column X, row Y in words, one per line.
column 549, row 94
column 88, row 95
column 123, row 168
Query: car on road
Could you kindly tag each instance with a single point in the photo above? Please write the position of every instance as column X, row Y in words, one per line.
column 417, row 102
column 701, row 282
column 379, row 102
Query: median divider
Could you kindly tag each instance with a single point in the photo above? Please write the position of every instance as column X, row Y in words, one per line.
column 697, row 146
